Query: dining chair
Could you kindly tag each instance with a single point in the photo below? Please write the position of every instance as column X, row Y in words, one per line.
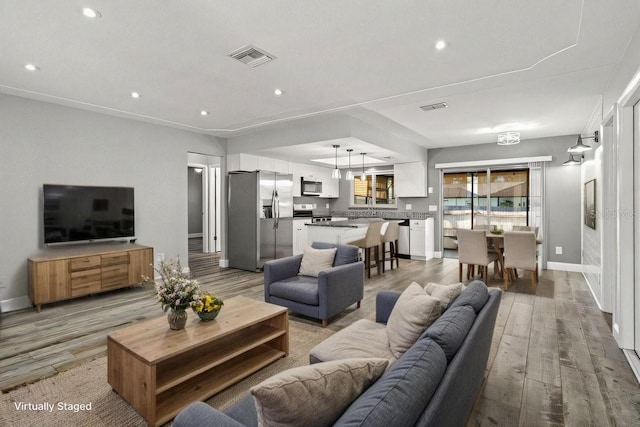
column 371, row 240
column 472, row 250
column 390, row 236
column 520, row 252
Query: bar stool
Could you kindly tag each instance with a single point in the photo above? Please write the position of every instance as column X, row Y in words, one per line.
column 390, row 236
column 370, row 241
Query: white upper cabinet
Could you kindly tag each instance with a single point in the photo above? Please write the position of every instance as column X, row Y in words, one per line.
column 242, row 162
column 411, row 179
column 249, row 162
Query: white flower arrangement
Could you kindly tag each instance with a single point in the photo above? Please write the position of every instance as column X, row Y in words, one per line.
column 175, row 289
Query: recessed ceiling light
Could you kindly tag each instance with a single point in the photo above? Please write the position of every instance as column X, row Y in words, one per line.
column 278, row 92
column 31, row 67
column 91, row 13
column 135, row 95
column 204, row 113
column 441, row 44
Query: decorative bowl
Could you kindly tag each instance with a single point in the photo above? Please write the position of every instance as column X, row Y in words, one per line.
column 207, row 316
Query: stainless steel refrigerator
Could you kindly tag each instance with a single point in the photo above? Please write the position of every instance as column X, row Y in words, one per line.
column 260, row 211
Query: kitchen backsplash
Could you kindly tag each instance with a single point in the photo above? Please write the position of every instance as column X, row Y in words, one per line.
column 381, row 213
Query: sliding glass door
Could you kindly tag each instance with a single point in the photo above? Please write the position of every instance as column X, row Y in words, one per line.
column 484, row 198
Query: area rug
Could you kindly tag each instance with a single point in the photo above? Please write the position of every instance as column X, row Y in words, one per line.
column 59, row 400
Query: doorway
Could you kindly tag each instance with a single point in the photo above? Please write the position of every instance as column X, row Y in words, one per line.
column 204, row 208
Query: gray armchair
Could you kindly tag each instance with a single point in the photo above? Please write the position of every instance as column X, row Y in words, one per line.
column 323, row 297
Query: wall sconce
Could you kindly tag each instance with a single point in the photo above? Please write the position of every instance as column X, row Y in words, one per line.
column 572, row 160
column 580, row 147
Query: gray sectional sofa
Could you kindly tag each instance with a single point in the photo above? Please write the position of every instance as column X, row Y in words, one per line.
column 434, row 383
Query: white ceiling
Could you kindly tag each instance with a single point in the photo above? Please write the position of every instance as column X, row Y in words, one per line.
column 538, row 67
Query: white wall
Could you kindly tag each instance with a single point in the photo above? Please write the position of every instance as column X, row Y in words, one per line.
column 47, row 143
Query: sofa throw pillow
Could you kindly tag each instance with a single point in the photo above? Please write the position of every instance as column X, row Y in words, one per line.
column 413, row 313
column 314, row 395
column 445, row 293
column 316, row 260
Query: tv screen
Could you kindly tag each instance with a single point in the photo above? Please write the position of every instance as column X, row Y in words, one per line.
column 74, row 213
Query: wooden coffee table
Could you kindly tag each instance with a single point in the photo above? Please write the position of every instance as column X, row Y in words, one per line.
column 159, row 371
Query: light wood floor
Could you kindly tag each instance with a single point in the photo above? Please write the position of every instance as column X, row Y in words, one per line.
column 553, row 359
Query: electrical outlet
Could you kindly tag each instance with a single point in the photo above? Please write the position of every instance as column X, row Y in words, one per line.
column 327, row 205
column 430, row 190
column 408, row 206
column 558, row 250
column 433, row 208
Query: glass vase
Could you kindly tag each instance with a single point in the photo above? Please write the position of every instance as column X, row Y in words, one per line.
column 177, row 319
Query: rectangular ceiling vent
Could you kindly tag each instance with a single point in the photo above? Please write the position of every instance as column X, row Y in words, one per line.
column 251, row 56
column 437, row 106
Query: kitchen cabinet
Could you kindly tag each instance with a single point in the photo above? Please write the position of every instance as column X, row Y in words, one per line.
column 299, row 235
column 249, row 162
column 421, row 238
column 410, row 179
column 330, row 186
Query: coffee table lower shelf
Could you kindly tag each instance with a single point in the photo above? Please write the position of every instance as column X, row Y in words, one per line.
column 159, row 371
column 170, row 402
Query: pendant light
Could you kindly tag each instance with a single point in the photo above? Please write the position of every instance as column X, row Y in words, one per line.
column 349, row 176
column 364, row 175
column 336, row 172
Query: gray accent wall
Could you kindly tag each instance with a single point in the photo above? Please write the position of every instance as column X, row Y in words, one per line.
column 46, row 143
column 562, row 188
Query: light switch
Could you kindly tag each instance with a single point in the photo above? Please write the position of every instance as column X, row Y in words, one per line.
column 433, row 208
column 558, row 250
column 408, row 206
column 430, row 190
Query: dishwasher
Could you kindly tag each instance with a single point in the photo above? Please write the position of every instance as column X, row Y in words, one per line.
column 403, row 239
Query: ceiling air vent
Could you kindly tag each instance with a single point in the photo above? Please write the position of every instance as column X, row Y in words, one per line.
column 434, row 106
column 251, row 56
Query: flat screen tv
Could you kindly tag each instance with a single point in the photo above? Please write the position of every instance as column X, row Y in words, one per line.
column 74, row 213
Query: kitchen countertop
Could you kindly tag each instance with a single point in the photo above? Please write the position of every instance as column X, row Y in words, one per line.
column 351, row 223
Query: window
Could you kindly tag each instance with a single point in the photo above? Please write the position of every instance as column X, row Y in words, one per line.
column 377, row 189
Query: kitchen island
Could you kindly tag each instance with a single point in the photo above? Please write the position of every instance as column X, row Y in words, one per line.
column 340, row 232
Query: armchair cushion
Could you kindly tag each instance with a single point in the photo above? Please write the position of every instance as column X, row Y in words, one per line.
column 314, row 395
column 316, row 260
column 303, row 289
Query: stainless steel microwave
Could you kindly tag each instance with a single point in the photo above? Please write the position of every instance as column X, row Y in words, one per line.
column 310, row 188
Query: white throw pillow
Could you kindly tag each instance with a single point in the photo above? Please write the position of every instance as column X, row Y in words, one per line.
column 413, row 313
column 316, row 260
column 314, row 395
column 445, row 293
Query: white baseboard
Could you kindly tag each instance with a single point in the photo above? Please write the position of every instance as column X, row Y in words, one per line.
column 193, row 235
column 14, row 304
column 595, row 297
column 224, row 263
column 437, row 254
column 634, row 361
column 565, row 266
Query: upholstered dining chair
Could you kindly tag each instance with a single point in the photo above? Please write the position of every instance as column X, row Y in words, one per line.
column 472, row 250
column 372, row 240
column 390, row 236
column 520, row 252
